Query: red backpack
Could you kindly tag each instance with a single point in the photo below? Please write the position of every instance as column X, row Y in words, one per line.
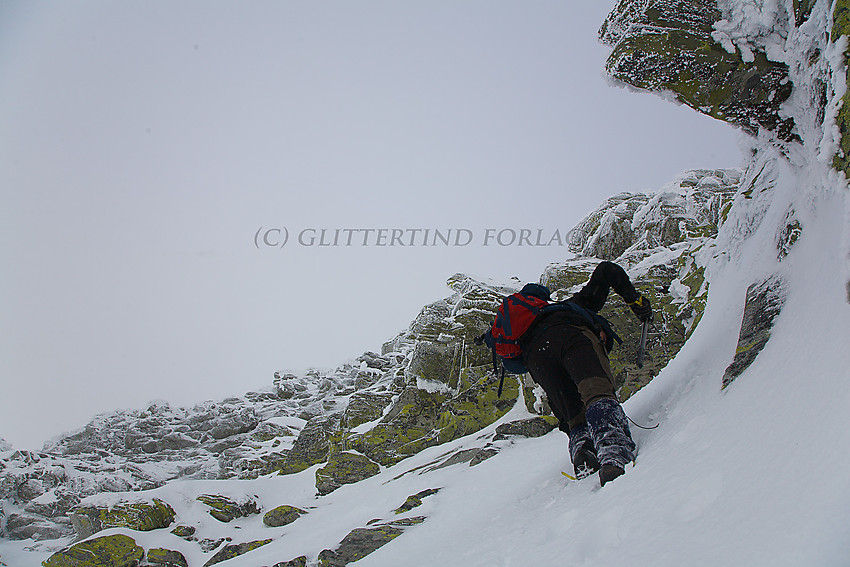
column 514, row 317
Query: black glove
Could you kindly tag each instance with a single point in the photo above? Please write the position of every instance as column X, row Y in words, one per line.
column 641, row 308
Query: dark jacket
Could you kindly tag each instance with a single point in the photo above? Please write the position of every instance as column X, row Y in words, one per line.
column 591, row 297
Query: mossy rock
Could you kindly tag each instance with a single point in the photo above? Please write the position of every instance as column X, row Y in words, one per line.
column 361, row 542
column 476, row 407
column 531, row 427
column 415, row 500
column 161, row 557
column 312, row 445
column 435, row 362
column 420, row 419
column 764, row 303
column 344, row 468
column 668, row 46
column 282, row 515
column 297, row 562
column 235, row 550
column 185, row 532
column 403, row 430
column 226, row 510
column 141, row 516
column 841, row 26
column 117, row 550
column 364, row 407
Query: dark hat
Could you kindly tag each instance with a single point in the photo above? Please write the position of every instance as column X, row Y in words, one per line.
column 536, row 290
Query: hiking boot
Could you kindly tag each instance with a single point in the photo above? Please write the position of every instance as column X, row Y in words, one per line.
column 609, row 472
column 609, row 430
column 582, row 453
column 585, row 463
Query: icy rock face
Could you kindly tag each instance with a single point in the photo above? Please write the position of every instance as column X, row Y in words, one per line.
column 661, row 239
column 689, row 208
column 767, row 66
column 670, row 46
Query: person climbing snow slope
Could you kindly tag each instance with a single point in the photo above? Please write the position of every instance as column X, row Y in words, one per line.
column 565, row 346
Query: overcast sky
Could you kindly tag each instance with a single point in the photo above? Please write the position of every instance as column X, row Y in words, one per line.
column 166, row 170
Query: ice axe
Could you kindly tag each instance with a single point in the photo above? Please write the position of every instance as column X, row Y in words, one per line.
column 642, row 348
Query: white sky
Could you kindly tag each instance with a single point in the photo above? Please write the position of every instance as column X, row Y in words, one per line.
column 144, row 145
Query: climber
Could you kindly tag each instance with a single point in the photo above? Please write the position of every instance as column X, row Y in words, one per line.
column 565, row 349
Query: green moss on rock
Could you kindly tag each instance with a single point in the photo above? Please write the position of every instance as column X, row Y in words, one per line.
column 185, row 532
column 282, row 516
column 117, row 550
column 311, row 447
column 841, row 26
column 161, row 557
column 415, row 500
column 141, row 516
column 225, row 510
column 403, row 431
column 531, row 427
column 235, row 550
column 344, row 468
column 420, row 419
column 667, row 46
column 362, row 541
column 364, row 407
column 297, row 562
column 476, row 407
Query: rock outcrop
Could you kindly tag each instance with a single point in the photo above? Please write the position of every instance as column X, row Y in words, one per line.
column 763, row 304
column 664, row 241
column 671, row 46
column 430, row 385
column 741, row 63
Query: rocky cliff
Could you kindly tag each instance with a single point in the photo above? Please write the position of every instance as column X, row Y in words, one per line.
column 429, row 385
column 774, row 69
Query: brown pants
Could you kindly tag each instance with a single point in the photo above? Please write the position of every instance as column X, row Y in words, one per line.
column 571, row 365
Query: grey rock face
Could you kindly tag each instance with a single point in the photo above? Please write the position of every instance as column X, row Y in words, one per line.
column 282, row 516
column 226, row 510
column 160, row 557
column 344, row 467
column 763, row 305
column 363, row 541
column 532, row 427
column 669, row 46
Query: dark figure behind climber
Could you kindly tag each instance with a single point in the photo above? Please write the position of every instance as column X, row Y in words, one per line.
column 567, row 354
